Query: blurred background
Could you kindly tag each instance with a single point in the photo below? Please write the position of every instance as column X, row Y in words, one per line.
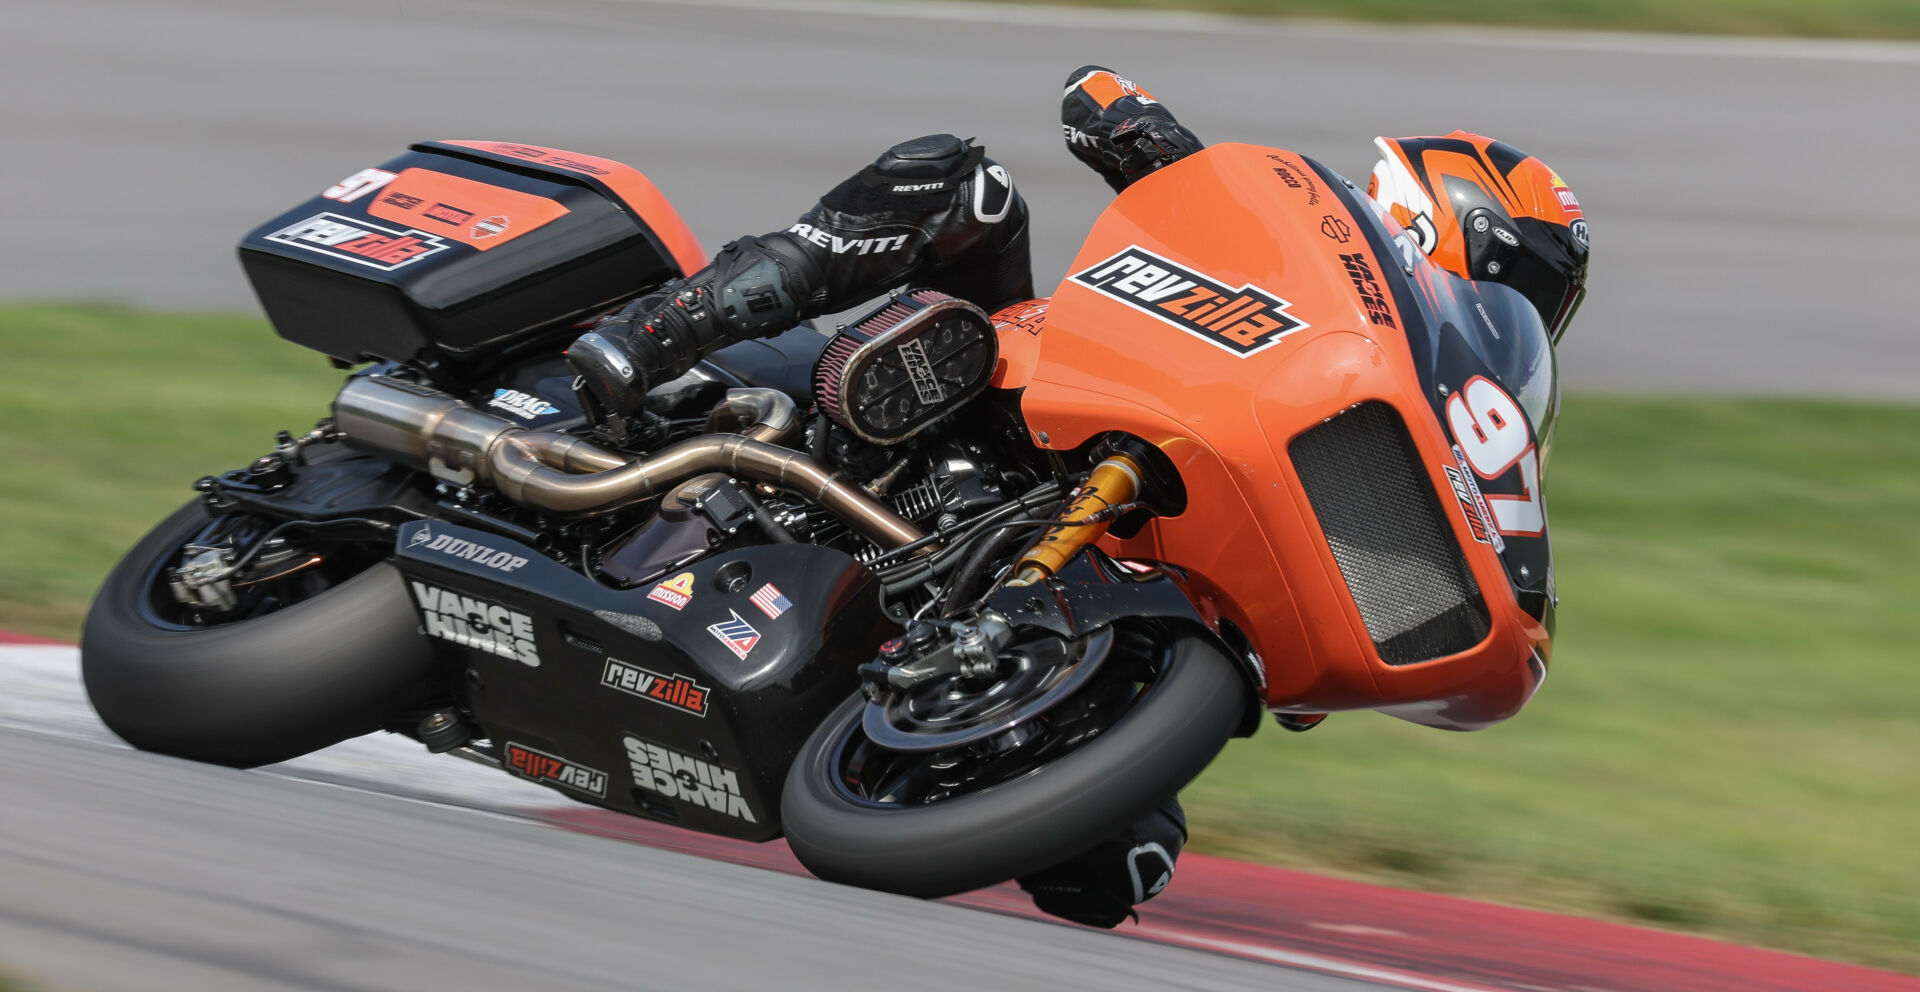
column 1727, row 744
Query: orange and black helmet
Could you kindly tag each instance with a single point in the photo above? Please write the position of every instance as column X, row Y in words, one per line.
column 1486, row 210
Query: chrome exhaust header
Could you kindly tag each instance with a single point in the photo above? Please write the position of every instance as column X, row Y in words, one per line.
column 428, row 429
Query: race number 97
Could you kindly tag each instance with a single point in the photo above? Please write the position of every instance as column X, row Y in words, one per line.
column 1492, row 432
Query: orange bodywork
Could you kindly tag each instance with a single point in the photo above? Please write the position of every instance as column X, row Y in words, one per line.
column 473, row 213
column 1280, row 339
column 625, row 181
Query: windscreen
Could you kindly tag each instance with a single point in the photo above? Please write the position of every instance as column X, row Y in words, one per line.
column 1487, row 362
column 1505, row 332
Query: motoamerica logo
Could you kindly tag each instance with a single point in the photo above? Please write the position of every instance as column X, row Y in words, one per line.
column 677, row 691
column 1243, row 321
column 685, row 778
column 546, row 769
column 477, row 624
column 479, row 554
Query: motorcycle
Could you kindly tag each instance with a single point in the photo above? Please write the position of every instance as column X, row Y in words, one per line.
column 942, row 597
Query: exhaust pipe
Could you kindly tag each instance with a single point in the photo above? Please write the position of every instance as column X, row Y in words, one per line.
column 428, row 429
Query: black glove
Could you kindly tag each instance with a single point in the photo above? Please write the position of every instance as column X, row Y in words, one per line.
column 1148, row 143
column 1101, row 886
column 1118, row 129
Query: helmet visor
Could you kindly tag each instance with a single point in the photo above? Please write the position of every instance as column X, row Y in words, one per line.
column 1549, row 290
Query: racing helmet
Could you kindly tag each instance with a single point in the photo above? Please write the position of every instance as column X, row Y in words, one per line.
column 1485, row 210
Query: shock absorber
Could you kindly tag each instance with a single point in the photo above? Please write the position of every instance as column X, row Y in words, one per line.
column 1109, row 491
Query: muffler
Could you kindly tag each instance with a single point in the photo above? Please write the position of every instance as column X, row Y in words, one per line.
column 420, row 426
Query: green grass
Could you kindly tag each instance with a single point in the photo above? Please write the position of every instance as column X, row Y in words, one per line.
column 1812, row 18
column 1727, row 743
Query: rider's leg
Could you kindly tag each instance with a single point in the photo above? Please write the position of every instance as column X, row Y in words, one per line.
column 1101, row 886
column 933, row 210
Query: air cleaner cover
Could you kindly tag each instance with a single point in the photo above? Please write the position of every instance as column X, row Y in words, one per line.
column 907, row 363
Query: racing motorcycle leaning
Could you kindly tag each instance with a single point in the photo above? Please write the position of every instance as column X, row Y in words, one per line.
column 944, row 597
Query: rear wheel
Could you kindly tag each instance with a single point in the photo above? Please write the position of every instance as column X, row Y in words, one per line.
column 1039, row 789
column 319, row 645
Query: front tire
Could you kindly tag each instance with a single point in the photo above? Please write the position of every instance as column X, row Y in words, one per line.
column 1014, row 827
column 255, row 691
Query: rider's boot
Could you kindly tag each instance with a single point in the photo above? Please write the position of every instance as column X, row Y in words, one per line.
column 933, row 210
column 1118, row 129
column 1101, row 885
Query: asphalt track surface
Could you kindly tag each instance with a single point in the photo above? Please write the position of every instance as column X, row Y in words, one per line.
column 1751, row 202
column 375, row 866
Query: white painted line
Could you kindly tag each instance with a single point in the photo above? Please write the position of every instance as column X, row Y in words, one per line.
column 1196, row 22
column 1320, row 963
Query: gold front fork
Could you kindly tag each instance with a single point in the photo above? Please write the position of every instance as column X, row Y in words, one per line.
column 1114, row 482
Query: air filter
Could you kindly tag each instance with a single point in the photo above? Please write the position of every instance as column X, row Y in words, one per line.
column 906, row 364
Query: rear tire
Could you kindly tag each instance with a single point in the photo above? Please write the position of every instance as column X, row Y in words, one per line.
column 1024, row 824
column 255, row 691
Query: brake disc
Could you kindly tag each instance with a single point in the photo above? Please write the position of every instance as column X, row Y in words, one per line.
column 955, row 710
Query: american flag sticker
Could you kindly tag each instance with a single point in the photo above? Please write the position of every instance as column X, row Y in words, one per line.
column 737, row 634
column 771, row 602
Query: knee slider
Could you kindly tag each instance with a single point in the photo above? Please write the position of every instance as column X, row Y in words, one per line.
column 1100, row 886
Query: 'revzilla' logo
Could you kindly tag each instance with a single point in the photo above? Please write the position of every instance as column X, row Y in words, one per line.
column 677, row 691
column 685, row 778
column 361, row 242
column 1243, row 321
column 545, row 768
column 477, row 623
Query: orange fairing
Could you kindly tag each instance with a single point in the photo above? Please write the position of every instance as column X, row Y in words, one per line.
column 624, row 181
column 1220, row 308
column 1018, row 327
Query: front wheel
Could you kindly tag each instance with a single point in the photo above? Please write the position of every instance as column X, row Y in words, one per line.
column 327, row 652
column 932, row 823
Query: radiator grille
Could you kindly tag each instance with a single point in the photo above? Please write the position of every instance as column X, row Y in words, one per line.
column 1385, row 526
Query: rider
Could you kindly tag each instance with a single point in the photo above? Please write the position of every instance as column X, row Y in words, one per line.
column 934, row 210
column 937, row 212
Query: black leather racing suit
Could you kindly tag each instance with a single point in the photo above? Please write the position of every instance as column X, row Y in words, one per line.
column 934, row 210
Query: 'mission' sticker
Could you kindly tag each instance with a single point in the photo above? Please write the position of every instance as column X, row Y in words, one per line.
column 1243, row 321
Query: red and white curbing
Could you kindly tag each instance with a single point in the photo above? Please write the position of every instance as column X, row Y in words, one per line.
column 1393, row 937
